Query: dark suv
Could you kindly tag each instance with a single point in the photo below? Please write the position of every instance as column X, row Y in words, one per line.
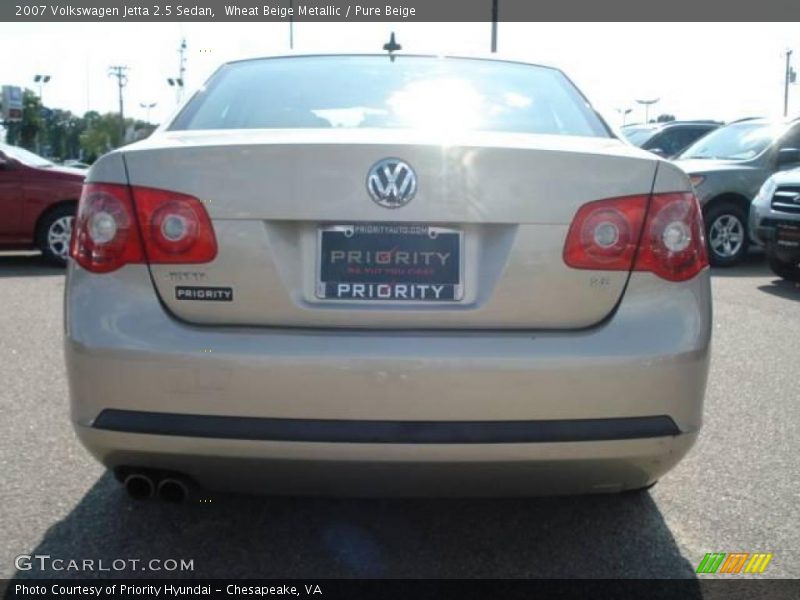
column 668, row 139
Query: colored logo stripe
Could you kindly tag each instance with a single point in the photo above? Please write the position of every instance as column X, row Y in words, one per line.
column 758, row 562
column 711, row 562
column 734, row 562
column 714, row 562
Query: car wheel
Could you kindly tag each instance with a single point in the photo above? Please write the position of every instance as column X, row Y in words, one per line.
column 785, row 270
column 726, row 235
column 54, row 234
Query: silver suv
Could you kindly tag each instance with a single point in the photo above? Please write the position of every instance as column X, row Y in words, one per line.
column 775, row 222
column 727, row 167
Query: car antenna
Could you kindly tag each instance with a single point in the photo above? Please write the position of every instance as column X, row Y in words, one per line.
column 392, row 46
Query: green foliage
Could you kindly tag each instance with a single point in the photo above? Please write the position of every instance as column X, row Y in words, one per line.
column 23, row 133
column 60, row 134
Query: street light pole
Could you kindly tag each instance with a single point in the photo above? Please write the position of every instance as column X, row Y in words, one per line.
column 41, row 80
column 147, row 106
column 647, row 104
column 178, row 82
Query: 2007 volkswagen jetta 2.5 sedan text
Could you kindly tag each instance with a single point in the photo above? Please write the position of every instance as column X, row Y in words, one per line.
column 362, row 276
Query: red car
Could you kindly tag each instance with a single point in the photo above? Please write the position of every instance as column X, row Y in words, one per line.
column 37, row 203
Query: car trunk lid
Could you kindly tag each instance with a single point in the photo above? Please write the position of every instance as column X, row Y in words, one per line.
column 509, row 198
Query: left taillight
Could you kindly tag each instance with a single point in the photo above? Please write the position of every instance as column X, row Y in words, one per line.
column 172, row 228
column 106, row 235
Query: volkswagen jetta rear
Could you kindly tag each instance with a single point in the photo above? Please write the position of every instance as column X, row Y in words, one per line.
column 357, row 275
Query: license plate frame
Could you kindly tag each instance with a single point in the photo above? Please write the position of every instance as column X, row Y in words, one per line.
column 384, row 282
column 787, row 235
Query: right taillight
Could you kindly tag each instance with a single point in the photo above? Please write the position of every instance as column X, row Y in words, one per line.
column 172, row 228
column 673, row 245
column 175, row 227
column 662, row 233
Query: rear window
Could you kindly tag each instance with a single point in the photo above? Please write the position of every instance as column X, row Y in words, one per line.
column 408, row 93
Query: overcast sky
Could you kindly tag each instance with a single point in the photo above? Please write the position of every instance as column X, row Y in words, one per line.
column 710, row 70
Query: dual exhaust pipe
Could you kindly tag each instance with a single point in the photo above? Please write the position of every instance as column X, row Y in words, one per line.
column 141, row 485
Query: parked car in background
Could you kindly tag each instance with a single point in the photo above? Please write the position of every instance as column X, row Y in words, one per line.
column 367, row 263
column 76, row 164
column 727, row 167
column 668, row 139
column 37, row 203
column 775, row 222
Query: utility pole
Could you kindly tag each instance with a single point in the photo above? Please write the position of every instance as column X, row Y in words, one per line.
column 789, row 78
column 120, row 72
column 495, row 10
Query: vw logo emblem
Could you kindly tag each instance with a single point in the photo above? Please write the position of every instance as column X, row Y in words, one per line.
column 391, row 183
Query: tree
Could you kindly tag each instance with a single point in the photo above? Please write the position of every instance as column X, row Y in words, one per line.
column 63, row 135
column 101, row 134
column 665, row 118
column 23, row 133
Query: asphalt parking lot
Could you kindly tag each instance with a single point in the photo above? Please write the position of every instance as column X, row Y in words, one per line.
column 739, row 489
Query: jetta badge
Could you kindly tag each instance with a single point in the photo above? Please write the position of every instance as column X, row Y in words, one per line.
column 391, row 182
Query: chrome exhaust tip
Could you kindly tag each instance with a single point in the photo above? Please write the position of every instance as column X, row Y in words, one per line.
column 139, row 486
column 172, row 490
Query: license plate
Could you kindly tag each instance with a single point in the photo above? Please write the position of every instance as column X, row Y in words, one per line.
column 788, row 235
column 397, row 262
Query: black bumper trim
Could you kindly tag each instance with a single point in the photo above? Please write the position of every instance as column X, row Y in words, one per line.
column 385, row 432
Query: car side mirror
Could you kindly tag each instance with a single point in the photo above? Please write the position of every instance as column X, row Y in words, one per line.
column 788, row 156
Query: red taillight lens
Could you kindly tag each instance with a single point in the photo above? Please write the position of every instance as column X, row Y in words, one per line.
column 604, row 235
column 105, row 234
column 673, row 245
column 175, row 227
column 172, row 228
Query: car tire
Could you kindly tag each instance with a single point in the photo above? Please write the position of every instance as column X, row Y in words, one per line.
column 726, row 235
column 53, row 235
column 785, row 270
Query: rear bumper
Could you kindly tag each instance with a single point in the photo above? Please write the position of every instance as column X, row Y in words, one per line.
column 306, row 411
column 410, row 470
